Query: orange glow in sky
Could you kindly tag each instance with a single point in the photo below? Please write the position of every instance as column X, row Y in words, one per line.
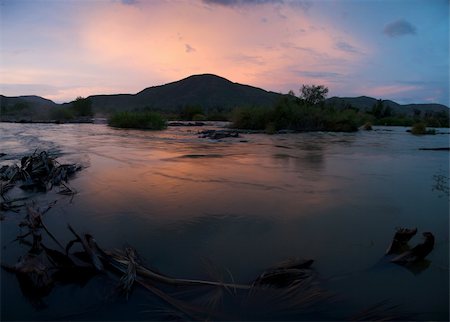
column 61, row 50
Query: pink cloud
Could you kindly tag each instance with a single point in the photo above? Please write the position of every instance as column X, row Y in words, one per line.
column 389, row 90
column 151, row 39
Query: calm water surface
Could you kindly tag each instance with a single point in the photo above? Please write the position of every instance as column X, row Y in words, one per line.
column 243, row 205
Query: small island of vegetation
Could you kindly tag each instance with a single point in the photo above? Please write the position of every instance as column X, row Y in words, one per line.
column 138, row 120
column 307, row 112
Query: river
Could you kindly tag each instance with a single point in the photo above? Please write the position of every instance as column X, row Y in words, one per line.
column 187, row 204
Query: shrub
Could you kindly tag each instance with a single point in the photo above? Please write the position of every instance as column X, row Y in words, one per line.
column 341, row 121
column 270, row 128
column 250, row 118
column 420, row 129
column 199, row 117
column 189, row 111
column 82, row 106
column 62, row 114
column 138, row 120
column 217, row 116
column 290, row 115
column 368, row 126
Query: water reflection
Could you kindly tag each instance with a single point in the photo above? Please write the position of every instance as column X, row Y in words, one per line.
column 418, row 267
column 177, row 198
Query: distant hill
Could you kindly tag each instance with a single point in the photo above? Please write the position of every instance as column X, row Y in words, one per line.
column 207, row 90
column 32, row 101
column 365, row 103
column 25, row 108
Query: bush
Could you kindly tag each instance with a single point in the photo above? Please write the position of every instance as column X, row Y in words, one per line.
column 189, row 111
column 290, row 115
column 62, row 114
column 199, row 117
column 138, row 120
column 216, row 115
column 341, row 121
column 368, row 126
column 420, row 129
column 250, row 118
column 82, row 106
column 270, row 128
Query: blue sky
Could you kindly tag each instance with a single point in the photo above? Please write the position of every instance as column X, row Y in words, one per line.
column 397, row 49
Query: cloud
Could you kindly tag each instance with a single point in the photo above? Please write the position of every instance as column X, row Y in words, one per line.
column 27, row 89
column 304, row 5
column 240, row 2
column 189, row 48
column 130, row 2
column 319, row 74
column 247, row 59
column 399, row 28
column 345, row 46
column 390, row 90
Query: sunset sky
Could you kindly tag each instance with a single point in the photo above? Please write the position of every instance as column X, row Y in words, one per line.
column 395, row 50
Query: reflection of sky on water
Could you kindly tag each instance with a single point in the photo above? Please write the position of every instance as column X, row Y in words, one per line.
column 335, row 198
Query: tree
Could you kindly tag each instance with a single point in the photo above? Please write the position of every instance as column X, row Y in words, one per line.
column 82, row 106
column 377, row 109
column 387, row 111
column 313, row 94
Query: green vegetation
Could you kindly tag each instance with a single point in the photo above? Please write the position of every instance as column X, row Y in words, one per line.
column 312, row 94
column 79, row 110
column 298, row 114
column 18, row 109
column 82, row 106
column 421, row 129
column 62, row 114
column 439, row 119
column 368, row 126
column 190, row 111
column 138, row 120
column 383, row 115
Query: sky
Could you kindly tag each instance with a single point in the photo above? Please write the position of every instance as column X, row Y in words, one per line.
column 388, row 49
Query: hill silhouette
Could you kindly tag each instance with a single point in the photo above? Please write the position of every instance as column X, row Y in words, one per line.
column 31, row 100
column 206, row 90
column 365, row 103
column 210, row 92
column 25, row 107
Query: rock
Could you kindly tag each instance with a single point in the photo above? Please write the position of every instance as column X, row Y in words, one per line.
column 285, row 131
column 218, row 134
column 186, row 124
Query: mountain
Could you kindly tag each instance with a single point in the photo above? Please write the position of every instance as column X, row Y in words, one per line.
column 31, row 100
column 365, row 103
column 25, row 108
column 206, row 90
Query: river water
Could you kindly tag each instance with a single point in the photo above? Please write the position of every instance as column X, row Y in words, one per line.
column 241, row 204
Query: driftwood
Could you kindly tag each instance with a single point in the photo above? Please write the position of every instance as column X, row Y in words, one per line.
column 37, row 172
column 289, row 286
column 400, row 241
column 435, row 149
column 417, row 253
column 43, row 266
